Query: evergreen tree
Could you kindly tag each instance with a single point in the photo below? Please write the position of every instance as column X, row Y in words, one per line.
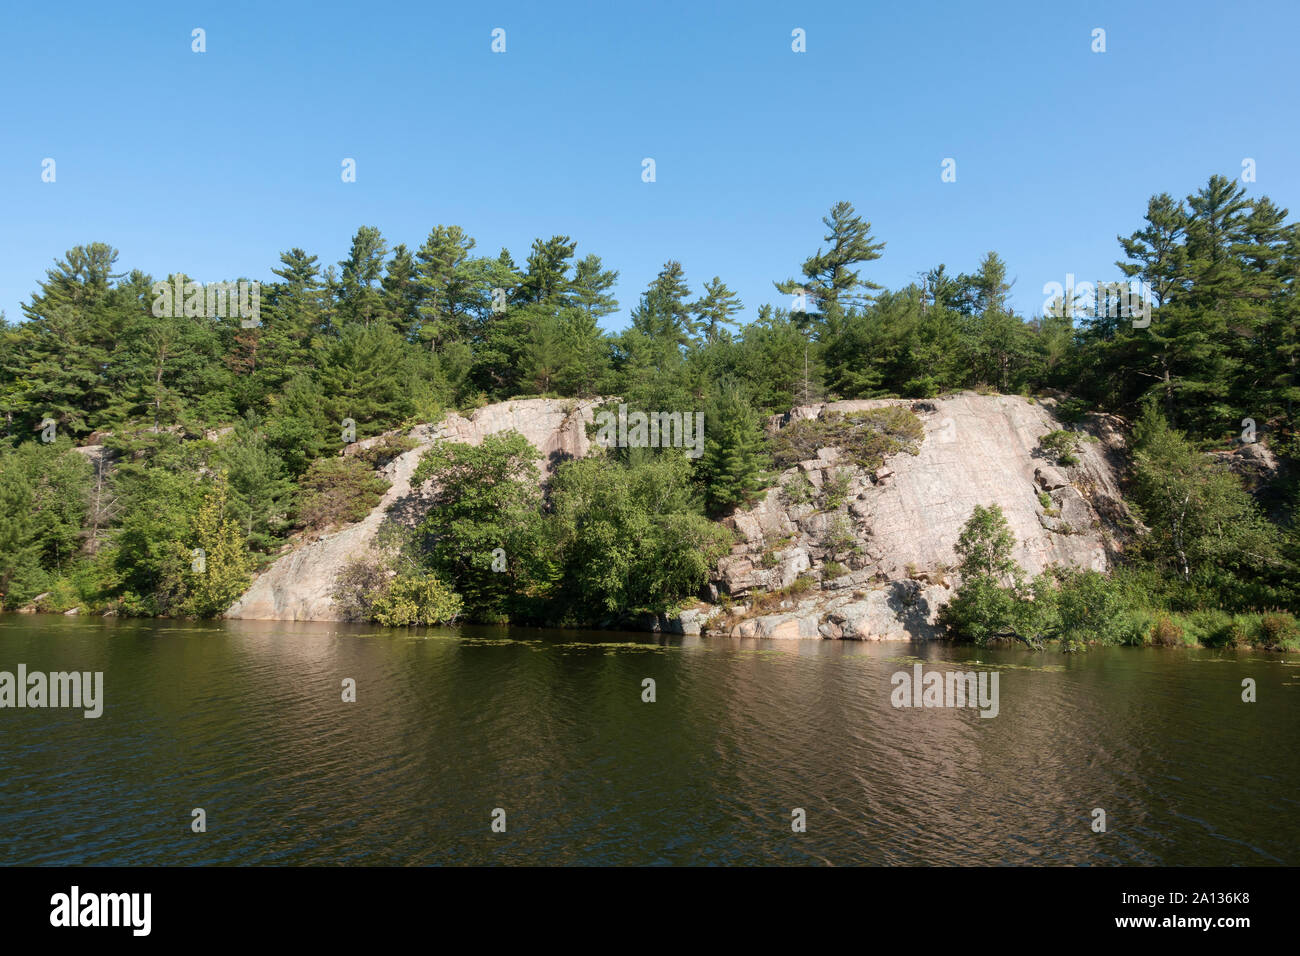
column 714, row 309
column 735, row 452
column 259, row 485
column 360, row 300
column 829, row 279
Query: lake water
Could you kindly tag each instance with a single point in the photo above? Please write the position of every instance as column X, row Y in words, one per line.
column 246, row 720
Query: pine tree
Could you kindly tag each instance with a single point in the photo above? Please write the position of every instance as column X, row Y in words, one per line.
column 714, row 309
column 664, row 314
column 590, row 289
column 360, row 300
column 735, row 453
column 259, row 485
column 546, row 275
column 830, row 281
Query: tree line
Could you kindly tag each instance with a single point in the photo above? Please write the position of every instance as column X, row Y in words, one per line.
column 201, row 412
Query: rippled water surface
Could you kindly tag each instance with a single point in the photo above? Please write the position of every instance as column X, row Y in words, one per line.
column 246, row 721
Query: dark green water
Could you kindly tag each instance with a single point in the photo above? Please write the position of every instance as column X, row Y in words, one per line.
column 246, row 721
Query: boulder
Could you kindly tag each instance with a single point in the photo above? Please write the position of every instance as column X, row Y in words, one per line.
column 792, row 563
column 1048, row 478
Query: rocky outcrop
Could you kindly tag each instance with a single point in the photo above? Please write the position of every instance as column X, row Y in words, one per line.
column 299, row 586
column 868, row 556
column 890, row 541
column 894, row 611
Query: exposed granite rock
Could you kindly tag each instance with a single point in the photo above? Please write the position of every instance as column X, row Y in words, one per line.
column 897, row 529
column 899, row 611
column 299, row 586
column 1049, row 479
column 892, row 536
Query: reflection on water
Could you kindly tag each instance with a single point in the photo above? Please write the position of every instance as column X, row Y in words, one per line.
column 247, row 721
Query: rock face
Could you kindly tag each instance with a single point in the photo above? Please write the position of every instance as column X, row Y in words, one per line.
column 898, row 611
column 891, row 541
column 875, row 567
column 299, row 586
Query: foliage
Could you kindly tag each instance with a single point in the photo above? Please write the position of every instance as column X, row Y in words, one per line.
column 629, row 537
column 836, row 488
column 393, row 334
column 1204, row 527
column 337, row 491
column 865, row 438
column 481, row 533
column 732, row 467
column 1061, row 446
column 416, row 599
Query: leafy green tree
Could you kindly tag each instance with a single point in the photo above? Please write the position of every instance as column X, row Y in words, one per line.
column 147, row 558
column 986, row 544
column 1203, row 524
column 416, row 599
column 1080, row 607
column 224, row 572
column 628, row 538
column 19, row 548
column 986, row 606
column 480, row 533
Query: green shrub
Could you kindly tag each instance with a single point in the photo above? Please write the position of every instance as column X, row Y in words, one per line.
column 362, row 580
column 1280, row 630
column 385, row 450
column 866, row 438
column 1247, row 630
column 982, row 610
column 836, row 489
column 1165, row 633
column 1071, row 410
column 799, row 490
column 801, row 585
column 839, row 535
column 1086, row 608
column 1210, row 628
column 337, row 491
column 1133, row 627
column 833, row 569
column 1061, row 445
column 417, row 599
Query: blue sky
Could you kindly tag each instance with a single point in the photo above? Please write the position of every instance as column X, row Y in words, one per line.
column 214, row 163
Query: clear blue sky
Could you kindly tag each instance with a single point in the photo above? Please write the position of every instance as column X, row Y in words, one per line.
column 213, row 164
